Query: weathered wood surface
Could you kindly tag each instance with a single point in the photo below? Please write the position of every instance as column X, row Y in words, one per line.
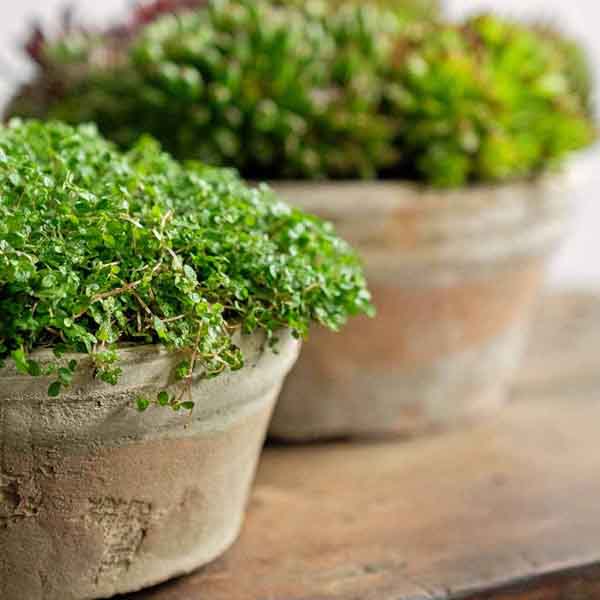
column 574, row 584
column 508, row 510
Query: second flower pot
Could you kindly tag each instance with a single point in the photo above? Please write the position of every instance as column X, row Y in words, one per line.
column 454, row 275
column 97, row 499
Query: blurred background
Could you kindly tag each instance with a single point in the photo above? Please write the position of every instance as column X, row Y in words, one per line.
column 577, row 264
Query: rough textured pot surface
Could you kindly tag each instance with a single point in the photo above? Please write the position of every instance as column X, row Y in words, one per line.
column 97, row 499
column 454, row 275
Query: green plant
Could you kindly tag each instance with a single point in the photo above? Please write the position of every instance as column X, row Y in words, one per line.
column 146, row 12
column 274, row 91
column 577, row 65
column 405, row 9
column 100, row 248
column 487, row 100
column 283, row 91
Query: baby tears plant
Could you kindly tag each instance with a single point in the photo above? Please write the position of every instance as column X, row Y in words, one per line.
column 99, row 248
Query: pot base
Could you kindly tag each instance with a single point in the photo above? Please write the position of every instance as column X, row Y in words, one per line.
column 448, row 393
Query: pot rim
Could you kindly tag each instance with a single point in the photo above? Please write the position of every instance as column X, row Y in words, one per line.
column 130, row 354
column 369, row 198
column 419, row 233
column 91, row 411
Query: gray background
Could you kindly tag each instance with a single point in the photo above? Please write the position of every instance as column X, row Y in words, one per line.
column 577, row 264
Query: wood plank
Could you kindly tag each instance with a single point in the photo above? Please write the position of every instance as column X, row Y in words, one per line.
column 574, row 584
column 514, row 499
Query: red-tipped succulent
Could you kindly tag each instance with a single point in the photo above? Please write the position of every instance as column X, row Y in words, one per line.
column 147, row 12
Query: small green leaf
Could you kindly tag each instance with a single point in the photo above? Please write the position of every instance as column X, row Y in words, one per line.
column 21, row 362
column 163, row 399
column 34, row 368
column 142, row 404
column 182, row 370
column 160, row 328
column 190, row 274
column 54, row 389
column 59, row 350
column 65, row 376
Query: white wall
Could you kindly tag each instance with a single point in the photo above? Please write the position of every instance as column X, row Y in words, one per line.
column 578, row 263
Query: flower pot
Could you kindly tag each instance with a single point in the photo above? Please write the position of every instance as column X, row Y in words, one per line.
column 97, row 499
column 454, row 275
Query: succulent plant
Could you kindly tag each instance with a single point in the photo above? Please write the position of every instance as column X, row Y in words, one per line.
column 486, row 100
column 281, row 94
column 283, row 91
column 578, row 68
column 100, row 248
column 407, row 9
column 271, row 90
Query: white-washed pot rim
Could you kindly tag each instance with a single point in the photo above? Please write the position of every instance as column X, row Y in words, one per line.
column 412, row 233
column 139, row 361
column 347, row 200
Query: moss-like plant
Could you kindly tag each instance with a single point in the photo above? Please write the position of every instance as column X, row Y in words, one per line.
column 283, row 91
column 100, row 248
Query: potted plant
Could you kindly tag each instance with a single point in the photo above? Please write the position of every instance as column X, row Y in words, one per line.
column 150, row 313
column 455, row 235
column 435, row 148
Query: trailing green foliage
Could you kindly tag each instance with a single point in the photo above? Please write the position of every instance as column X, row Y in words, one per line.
column 284, row 91
column 100, row 248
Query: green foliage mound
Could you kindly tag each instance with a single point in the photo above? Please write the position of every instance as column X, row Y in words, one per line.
column 275, row 91
column 489, row 100
column 100, row 248
column 405, row 9
column 283, row 91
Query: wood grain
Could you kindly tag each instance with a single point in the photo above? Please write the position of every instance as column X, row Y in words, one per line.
column 574, row 584
column 507, row 510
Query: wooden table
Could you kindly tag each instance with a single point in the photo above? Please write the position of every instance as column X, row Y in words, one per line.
column 507, row 510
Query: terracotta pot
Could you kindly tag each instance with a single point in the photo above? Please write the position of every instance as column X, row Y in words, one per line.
column 454, row 276
column 97, row 499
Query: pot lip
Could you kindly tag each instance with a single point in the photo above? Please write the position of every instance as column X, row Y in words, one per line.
column 358, row 202
column 133, row 354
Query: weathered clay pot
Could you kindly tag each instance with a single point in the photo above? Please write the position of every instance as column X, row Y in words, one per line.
column 454, row 275
column 97, row 499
